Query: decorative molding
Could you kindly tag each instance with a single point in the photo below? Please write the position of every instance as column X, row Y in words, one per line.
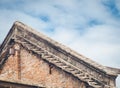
column 96, row 78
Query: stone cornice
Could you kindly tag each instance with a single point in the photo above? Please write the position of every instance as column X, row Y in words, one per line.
column 59, row 46
column 59, row 55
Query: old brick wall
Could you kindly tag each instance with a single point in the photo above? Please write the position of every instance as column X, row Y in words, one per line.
column 27, row 68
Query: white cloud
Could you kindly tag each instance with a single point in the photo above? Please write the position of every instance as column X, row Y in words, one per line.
column 9, row 16
column 99, row 43
column 64, row 35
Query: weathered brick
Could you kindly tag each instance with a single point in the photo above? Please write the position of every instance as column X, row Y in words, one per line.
column 35, row 71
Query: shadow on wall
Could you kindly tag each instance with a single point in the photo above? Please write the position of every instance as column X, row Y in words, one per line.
column 118, row 81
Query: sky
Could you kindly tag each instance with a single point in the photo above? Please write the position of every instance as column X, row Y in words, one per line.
column 90, row 27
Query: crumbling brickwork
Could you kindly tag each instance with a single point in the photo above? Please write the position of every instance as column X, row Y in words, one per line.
column 31, row 69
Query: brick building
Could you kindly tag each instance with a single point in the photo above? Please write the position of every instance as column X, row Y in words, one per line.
column 29, row 59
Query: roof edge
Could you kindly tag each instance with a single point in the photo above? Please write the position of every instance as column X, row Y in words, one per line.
column 8, row 37
column 61, row 46
column 115, row 71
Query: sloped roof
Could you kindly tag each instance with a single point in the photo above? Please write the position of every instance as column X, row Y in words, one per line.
column 20, row 32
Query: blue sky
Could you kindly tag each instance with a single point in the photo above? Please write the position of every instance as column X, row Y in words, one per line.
column 90, row 27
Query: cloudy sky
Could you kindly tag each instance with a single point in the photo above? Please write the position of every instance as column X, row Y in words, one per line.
column 90, row 27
